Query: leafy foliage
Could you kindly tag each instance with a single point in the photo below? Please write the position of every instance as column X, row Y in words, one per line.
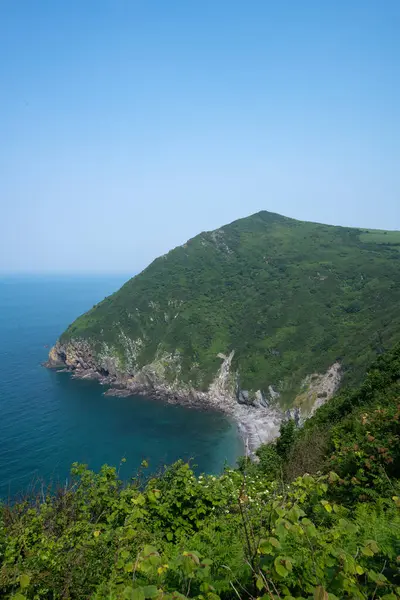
column 203, row 537
column 289, row 297
column 254, row 532
column 360, row 429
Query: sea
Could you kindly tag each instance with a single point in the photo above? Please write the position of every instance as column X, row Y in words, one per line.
column 48, row 420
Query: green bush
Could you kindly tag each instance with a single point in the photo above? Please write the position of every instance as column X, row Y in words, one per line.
column 199, row 537
column 256, row 532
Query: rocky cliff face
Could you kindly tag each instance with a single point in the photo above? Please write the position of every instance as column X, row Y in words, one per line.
column 289, row 297
column 78, row 357
column 258, row 414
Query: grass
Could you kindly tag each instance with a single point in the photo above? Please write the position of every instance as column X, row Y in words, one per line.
column 378, row 236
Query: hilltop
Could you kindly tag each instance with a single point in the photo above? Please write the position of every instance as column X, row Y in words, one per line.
column 266, row 310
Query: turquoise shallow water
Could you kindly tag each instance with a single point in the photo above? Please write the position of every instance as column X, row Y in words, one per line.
column 48, row 420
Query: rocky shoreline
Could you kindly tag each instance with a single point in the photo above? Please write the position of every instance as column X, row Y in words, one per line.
column 256, row 425
column 258, row 418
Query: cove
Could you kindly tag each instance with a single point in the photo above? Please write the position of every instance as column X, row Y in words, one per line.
column 49, row 420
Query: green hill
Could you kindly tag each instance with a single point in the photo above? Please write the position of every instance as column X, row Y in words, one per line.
column 288, row 297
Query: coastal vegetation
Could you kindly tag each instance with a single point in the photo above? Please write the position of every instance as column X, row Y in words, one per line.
column 290, row 298
column 317, row 517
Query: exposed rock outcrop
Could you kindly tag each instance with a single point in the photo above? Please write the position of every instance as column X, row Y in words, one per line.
column 258, row 414
column 316, row 389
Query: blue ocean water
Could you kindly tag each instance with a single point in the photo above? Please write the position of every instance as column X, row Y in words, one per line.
column 49, row 420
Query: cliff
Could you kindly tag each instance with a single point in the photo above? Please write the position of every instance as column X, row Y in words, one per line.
column 265, row 314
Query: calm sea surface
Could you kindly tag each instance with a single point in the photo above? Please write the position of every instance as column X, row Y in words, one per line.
column 48, row 420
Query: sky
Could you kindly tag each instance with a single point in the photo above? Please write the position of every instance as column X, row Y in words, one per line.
column 129, row 126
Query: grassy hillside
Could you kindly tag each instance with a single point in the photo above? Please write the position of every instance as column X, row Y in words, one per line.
column 258, row 532
column 289, row 297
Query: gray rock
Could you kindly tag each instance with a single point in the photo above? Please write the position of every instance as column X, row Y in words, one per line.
column 243, row 396
column 273, row 394
column 295, row 414
column 260, row 400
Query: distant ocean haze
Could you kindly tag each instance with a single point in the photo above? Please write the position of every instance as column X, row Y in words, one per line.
column 49, row 420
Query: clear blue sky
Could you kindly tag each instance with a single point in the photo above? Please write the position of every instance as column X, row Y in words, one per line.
column 129, row 126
